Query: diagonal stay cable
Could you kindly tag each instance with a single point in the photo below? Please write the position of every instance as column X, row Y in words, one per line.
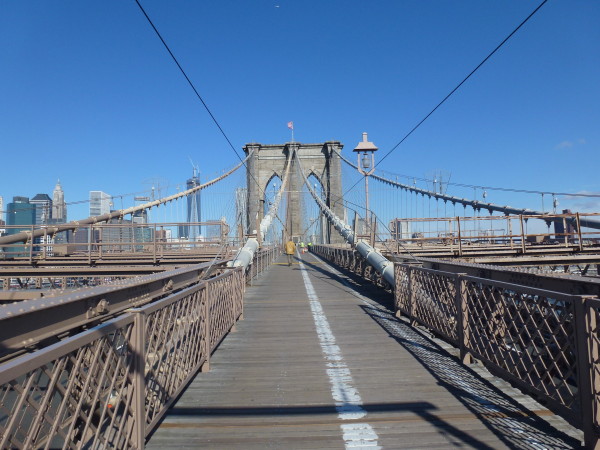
column 188, row 79
column 456, row 88
column 349, row 235
column 199, row 96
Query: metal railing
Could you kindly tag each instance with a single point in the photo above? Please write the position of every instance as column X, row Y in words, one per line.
column 116, row 241
column 545, row 342
column 261, row 261
column 108, row 386
column 511, row 233
column 27, row 323
column 351, row 260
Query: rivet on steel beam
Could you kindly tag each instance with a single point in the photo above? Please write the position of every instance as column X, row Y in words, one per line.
column 168, row 286
column 102, row 306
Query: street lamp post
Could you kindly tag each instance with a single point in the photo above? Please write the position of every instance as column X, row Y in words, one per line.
column 365, row 151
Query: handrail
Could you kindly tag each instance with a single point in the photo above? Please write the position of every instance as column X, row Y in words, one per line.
column 109, row 386
column 518, row 332
column 29, row 322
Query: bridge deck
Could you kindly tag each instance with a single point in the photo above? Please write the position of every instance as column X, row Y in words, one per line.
column 331, row 367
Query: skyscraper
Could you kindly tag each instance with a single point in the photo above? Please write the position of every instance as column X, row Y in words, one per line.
column 43, row 208
column 400, row 229
column 100, row 203
column 59, row 207
column 20, row 212
column 194, row 213
column 1, row 211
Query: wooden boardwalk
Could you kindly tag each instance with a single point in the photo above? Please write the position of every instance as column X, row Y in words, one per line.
column 320, row 362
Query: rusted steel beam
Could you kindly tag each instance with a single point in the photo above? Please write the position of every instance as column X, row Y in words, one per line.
column 80, row 271
column 86, row 261
column 110, row 385
column 29, row 322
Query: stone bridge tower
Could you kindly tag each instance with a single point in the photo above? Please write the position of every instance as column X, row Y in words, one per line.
column 320, row 160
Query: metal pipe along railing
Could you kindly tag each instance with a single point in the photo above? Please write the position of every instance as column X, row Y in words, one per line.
column 245, row 255
column 381, row 264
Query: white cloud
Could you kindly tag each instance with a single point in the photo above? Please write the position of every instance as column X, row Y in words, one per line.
column 582, row 204
column 564, row 144
column 570, row 144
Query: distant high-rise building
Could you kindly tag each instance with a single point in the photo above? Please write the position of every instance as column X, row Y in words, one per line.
column 43, row 215
column 59, row 207
column 400, row 229
column 19, row 212
column 43, row 208
column 216, row 229
column 100, row 203
column 140, row 216
column 194, row 213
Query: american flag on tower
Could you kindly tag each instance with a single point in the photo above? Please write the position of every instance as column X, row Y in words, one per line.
column 291, row 125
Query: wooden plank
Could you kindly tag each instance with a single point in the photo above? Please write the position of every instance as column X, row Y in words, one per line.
column 268, row 385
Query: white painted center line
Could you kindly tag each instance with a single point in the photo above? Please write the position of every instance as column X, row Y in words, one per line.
column 347, row 399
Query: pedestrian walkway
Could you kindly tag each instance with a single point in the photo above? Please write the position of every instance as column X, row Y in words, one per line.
column 319, row 361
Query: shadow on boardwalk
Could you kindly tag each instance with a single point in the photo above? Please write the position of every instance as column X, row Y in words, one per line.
column 509, row 420
column 304, row 415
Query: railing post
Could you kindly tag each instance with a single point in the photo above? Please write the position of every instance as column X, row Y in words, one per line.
column 240, row 290
column 462, row 325
column 262, row 262
column 412, row 298
column 450, row 233
column 138, row 365
column 459, row 236
column 31, row 239
column 100, row 242
column 397, row 312
column 509, row 227
column 584, row 325
column 206, row 324
column 578, row 222
column 522, row 233
column 90, row 232
column 45, row 243
column 154, row 245
column 593, row 358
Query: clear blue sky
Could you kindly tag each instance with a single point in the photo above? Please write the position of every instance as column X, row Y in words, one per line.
column 89, row 95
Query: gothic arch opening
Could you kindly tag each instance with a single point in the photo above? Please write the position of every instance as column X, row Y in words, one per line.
column 322, row 160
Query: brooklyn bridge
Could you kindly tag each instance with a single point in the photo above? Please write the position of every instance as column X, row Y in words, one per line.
column 409, row 317
column 309, row 293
